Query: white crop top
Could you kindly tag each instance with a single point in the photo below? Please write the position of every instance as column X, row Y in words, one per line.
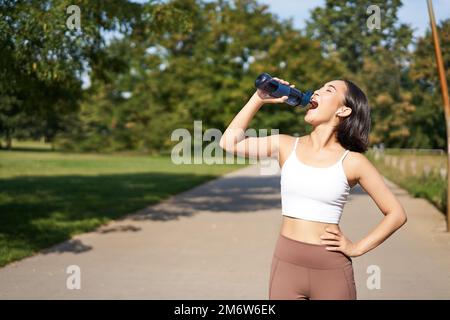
column 313, row 193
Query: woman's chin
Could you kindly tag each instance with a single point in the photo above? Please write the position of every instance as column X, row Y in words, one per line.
column 309, row 119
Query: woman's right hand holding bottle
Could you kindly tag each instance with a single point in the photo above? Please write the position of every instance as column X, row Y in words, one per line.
column 263, row 97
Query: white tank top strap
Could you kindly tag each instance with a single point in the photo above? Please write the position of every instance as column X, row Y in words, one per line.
column 345, row 153
column 295, row 145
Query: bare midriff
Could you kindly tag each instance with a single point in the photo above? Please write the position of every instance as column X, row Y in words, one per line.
column 305, row 230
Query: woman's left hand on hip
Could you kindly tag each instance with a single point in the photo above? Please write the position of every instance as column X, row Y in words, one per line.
column 337, row 241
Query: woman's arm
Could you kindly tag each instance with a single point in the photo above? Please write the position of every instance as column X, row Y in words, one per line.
column 233, row 139
column 394, row 214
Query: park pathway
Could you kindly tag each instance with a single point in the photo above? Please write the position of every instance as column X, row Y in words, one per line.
column 216, row 242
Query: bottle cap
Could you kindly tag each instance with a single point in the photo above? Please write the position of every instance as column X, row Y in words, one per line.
column 306, row 98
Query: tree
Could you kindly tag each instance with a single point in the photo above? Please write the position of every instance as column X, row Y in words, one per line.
column 377, row 60
column 42, row 60
column 204, row 69
column 428, row 123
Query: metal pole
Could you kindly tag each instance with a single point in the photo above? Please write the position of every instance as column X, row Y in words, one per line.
column 444, row 89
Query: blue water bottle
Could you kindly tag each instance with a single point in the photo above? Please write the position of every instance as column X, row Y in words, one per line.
column 275, row 89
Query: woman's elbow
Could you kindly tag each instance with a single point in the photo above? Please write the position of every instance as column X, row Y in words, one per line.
column 227, row 146
column 397, row 216
column 402, row 218
column 400, row 214
column 222, row 142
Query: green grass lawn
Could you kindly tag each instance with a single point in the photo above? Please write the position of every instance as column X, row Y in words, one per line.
column 46, row 197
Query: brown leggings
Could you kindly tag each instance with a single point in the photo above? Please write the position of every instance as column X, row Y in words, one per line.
column 308, row 271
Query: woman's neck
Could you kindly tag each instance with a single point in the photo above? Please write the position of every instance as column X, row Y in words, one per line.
column 323, row 137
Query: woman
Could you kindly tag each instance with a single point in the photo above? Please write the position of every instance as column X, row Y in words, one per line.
column 313, row 258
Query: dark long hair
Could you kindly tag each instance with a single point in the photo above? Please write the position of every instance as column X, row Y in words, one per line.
column 353, row 131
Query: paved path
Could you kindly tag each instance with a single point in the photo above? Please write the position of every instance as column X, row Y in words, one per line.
column 216, row 242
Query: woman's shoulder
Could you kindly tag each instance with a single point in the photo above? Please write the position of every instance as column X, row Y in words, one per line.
column 357, row 163
column 286, row 146
column 357, row 158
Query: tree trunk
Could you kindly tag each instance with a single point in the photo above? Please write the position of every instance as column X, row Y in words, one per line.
column 8, row 140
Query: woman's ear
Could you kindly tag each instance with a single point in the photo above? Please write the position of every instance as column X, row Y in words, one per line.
column 343, row 111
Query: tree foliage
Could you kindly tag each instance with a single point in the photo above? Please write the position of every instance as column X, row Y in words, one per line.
column 174, row 62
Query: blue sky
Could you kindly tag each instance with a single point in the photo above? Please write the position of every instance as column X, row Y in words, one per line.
column 413, row 12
